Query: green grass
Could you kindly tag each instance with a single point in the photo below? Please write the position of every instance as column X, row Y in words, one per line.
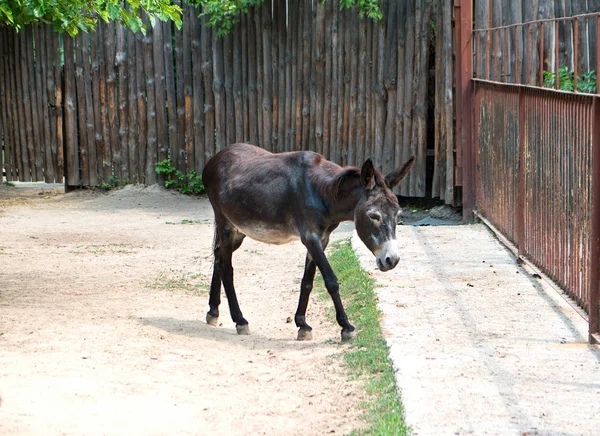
column 368, row 356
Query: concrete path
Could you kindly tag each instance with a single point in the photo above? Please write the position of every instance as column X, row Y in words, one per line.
column 481, row 346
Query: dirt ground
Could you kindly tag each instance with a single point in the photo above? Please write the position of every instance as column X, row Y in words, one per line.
column 103, row 298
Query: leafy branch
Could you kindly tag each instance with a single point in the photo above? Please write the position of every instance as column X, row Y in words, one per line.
column 566, row 80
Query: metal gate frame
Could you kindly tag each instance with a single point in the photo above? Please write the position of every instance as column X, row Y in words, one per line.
column 467, row 149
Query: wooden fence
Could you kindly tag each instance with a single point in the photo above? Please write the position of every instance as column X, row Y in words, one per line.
column 308, row 78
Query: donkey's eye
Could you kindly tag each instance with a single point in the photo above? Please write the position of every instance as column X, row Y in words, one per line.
column 374, row 215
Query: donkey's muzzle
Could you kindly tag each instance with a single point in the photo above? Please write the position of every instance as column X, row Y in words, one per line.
column 388, row 257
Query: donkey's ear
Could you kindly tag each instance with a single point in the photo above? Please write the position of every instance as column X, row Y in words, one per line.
column 367, row 174
column 396, row 176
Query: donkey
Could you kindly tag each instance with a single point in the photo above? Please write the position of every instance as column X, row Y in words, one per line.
column 278, row 198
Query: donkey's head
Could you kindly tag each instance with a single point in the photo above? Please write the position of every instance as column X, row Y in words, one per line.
column 377, row 211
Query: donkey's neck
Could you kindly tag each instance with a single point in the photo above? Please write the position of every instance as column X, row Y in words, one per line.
column 347, row 195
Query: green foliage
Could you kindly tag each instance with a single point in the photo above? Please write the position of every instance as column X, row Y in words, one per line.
column 368, row 357
column 566, row 80
column 12, row 185
column 223, row 14
column 190, row 183
column 73, row 16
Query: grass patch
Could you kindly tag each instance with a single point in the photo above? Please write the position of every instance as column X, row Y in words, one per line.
column 368, row 357
column 184, row 221
column 175, row 280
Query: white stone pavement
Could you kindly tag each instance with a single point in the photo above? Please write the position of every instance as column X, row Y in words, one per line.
column 480, row 346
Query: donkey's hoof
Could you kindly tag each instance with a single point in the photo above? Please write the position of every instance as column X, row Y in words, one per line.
column 212, row 320
column 348, row 335
column 243, row 329
column 305, row 335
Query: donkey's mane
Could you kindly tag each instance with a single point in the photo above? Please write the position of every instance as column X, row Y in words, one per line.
column 328, row 184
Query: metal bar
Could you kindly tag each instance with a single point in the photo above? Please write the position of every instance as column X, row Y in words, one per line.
column 556, row 56
column 541, row 71
column 594, row 307
column 521, row 186
column 519, row 85
column 575, row 52
column 544, row 20
column 488, row 52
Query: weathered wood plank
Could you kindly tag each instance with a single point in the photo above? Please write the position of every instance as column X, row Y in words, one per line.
column 122, row 155
column 333, row 111
column 132, row 109
column 111, row 152
column 97, row 58
column 282, row 138
column 169, row 34
column 158, row 41
column 267, row 103
column 209, row 98
column 218, row 89
column 11, row 45
column 38, row 157
column 8, row 145
column 353, row 146
column 251, row 111
column 230, row 127
column 409, row 59
column 318, row 80
column 40, row 106
column 178, row 146
column 390, row 74
column 151, row 151
column 72, row 161
column 240, row 80
column 81, row 113
column 142, row 110
column 259, row 76
column 298, row 78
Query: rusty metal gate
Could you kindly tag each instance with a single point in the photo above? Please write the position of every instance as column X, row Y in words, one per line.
column 531, row 165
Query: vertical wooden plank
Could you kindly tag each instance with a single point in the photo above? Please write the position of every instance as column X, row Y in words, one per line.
column 18, row 119
column 6, row 105
column 379, row 92
column 314, row 36
column 87, row 124
column 122, row 157
column 233, row 73
column 318, row 80
column 40, row 106
column 104, row 121
column 361, row 141
column 7, row 145
column 390, row 75
column 370, row 78
column 111, row 99
column 58, row 92
column 142, row 110
column 409, row 56
column 335, row 59
column 251, row 110
column 172, row 117
column 72, row 161
column 97, row 61
column 327, row 79
column 11, row 101
column 274, row 12
column 230, row 114
column 202, row 149
column 244, row 58
column 158, row 42
column 342, row 26
column 193, row 91
column 437, row 183
column 259, row 76
column 353, row 146
column 84, row 173
column 298, row 81
column 267, row 112
column 290, row 102
column 151, row 151
column 348, row 31
column 306, row 85
column 209, row 102
column 132, row 110
column 22, row 121
column 38, row 157
column 401, row 84
column 27, row 125
column 448, row 100
column 280, row 65
column 218, row 89
column 178, row 146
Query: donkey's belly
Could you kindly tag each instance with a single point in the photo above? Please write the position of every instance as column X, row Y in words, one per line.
column 268, row 234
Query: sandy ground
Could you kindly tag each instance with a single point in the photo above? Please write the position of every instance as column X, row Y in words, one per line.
column 102, row 306
column 479, row 344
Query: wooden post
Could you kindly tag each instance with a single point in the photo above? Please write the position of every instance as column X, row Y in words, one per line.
column 464, row 99
column 71, row 151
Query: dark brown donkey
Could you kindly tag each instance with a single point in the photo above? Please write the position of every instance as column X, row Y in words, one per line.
column 277, row 198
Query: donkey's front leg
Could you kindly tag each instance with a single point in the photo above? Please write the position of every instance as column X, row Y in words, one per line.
column 304, row 330
column 315, row 250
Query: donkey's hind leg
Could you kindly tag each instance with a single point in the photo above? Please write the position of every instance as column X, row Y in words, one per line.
column 212, row 317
